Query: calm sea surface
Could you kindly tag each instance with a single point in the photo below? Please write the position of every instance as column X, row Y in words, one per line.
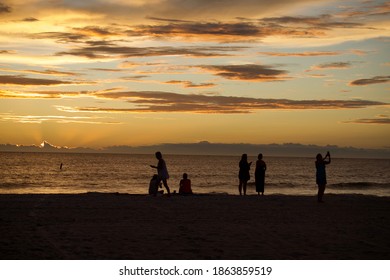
column 80, row 173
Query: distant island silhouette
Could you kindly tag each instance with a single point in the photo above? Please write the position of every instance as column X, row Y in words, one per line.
column 207, row 148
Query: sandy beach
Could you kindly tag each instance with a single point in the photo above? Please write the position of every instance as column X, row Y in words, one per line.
column 121, row 226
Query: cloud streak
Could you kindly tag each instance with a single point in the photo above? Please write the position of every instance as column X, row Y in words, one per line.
column 189, row 84
column 25, row 81
column 323, row 22
column 244, row 30
column 42, row 94
column 333, row 65
column 48, row 72
column 126, row 52
column 378, row 120
column 212, row 30
column 247, row 72
column 164, row 102
column 62, row 37
column 157, row 102
column 370, row 81
column 30, row 19
column 301, row 54
column 57, row 119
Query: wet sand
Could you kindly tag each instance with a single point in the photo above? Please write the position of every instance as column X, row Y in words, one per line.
column 120, row 226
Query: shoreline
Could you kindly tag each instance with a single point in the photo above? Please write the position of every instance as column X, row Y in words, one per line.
column 91, row 226
column 223, row 194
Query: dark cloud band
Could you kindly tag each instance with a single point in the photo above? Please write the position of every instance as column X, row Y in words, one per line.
column 156, row 101
column 370, row 81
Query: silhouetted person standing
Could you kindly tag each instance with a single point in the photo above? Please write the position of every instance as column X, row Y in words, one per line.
column 261, row 167
column 162, row 171
column 243, row 174
column 321, row 174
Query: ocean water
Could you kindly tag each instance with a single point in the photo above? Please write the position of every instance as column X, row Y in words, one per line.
column 81, row 173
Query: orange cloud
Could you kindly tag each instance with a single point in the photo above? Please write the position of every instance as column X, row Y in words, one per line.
column 7, row 52
column 42, row 94
column 189, row 84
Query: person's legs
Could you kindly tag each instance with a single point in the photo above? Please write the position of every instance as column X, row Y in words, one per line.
column 165, row 183
column 244, row 187
column 240, row 187
column 321, row 190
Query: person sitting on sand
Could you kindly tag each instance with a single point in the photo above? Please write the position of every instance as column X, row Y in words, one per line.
column 321, row 174
column 162, row 171
column 185, row 185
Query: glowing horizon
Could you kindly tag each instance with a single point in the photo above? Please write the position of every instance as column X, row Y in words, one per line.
column 149, row 72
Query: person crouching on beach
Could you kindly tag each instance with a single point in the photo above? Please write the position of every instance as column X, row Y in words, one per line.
column 185, row 185
column 321, row 174
column 154, row 184
column 162, row 171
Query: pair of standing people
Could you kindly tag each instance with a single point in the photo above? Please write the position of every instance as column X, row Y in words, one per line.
column 244, row 176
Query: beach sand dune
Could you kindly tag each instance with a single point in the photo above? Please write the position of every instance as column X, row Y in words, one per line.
column 120, row 226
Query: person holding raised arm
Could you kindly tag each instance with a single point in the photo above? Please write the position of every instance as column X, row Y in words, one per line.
column 321, row 174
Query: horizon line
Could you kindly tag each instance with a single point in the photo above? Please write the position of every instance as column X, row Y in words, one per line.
column 208, row 148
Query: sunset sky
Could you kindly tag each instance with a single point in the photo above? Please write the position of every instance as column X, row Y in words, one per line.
column 142, row 72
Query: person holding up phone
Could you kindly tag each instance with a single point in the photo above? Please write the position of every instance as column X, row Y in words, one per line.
column 321, row 174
